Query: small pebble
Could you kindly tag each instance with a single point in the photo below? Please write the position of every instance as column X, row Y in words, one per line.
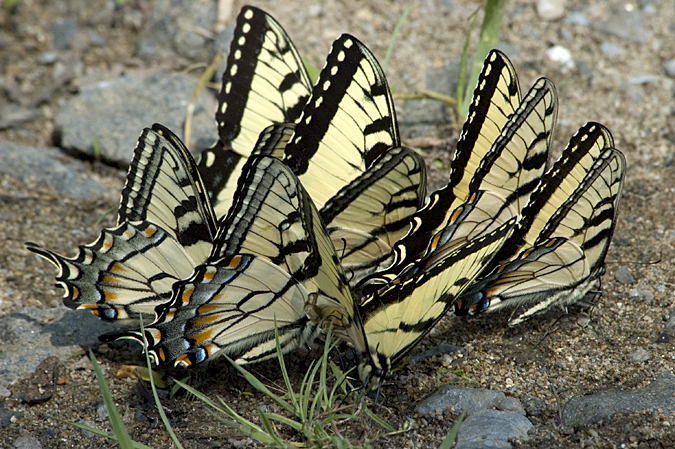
column 669, row 67
column 576, row 18
column 611, row 49
column 551, row 9
column 48, row 58
column 624, row 275
column 639, row 355
column 562, row 56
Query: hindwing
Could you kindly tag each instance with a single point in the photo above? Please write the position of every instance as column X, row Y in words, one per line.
column 166, row 228
column 556, row 254
column 271, row 254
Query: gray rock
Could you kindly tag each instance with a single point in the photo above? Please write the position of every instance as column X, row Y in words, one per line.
column 646, row 78
column 4, row 392
column 30, row 335
column 458, row 398
column 639, row 355
column 628, row 26
column 492, row 429
column 7, row 415
column 624, row 275
column 63, row 32
column 49, row 166
column 669, row 67
column 116, row 111
column 48, row 58
column 576, row 18
column 533, row 405
column 551, row 9
column 511, row 404
column 27, row 441
column 87, row 433
column 611, row 49
column 96, row 40
column 588, row 410
column 668, row 329
column 173, row 30
column 641, row 294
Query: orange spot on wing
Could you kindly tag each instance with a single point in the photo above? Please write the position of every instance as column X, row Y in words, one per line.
column 187, row 293
column 183, row 360
column 150, row 231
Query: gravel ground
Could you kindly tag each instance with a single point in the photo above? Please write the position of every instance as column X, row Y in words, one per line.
column 619, row 49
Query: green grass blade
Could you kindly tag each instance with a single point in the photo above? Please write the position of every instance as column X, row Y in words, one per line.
column 378, row 420
column 99, row 432
column 115, row 419
column 160, row 409
column 284, row 371
column 255, row 383
column 312, row 70
column 489, row 38
column 461, row 79
column 270, row 430
column 283, row 420
column 449, row 440
column 236, row 422
column 394, row 35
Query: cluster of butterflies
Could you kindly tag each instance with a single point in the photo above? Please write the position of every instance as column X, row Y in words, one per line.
column 308, row 213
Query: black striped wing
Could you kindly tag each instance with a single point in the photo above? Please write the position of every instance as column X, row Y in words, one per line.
column 503, row 148
column 347, row 124
column 557, row 252
column 368, row 216
column 396, row 317
column 166, row 228
column 264, row 83
column 346, row 152
column 495, row 99
column 272, row 254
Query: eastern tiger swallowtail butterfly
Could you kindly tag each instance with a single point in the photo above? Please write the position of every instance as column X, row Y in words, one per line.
column 390, row 320
column 166, row 228
column 271, row 253
column 346, row 152
column 264, row 83
column 556, row 254
column 503, row 148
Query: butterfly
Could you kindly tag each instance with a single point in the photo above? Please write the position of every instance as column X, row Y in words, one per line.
column 503, row 148
column 387, row 322
column 556, row 254
column 166, row 227
column 270, row 254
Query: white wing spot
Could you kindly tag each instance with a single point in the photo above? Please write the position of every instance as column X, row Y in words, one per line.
column 341, row 56
column 227, row 88
column 237, row 54
column 348, row 43
column 246, row 28
column 326, row 85
column 333, row 70
column 241, row 41
column 248, row 14
column 233, row 70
